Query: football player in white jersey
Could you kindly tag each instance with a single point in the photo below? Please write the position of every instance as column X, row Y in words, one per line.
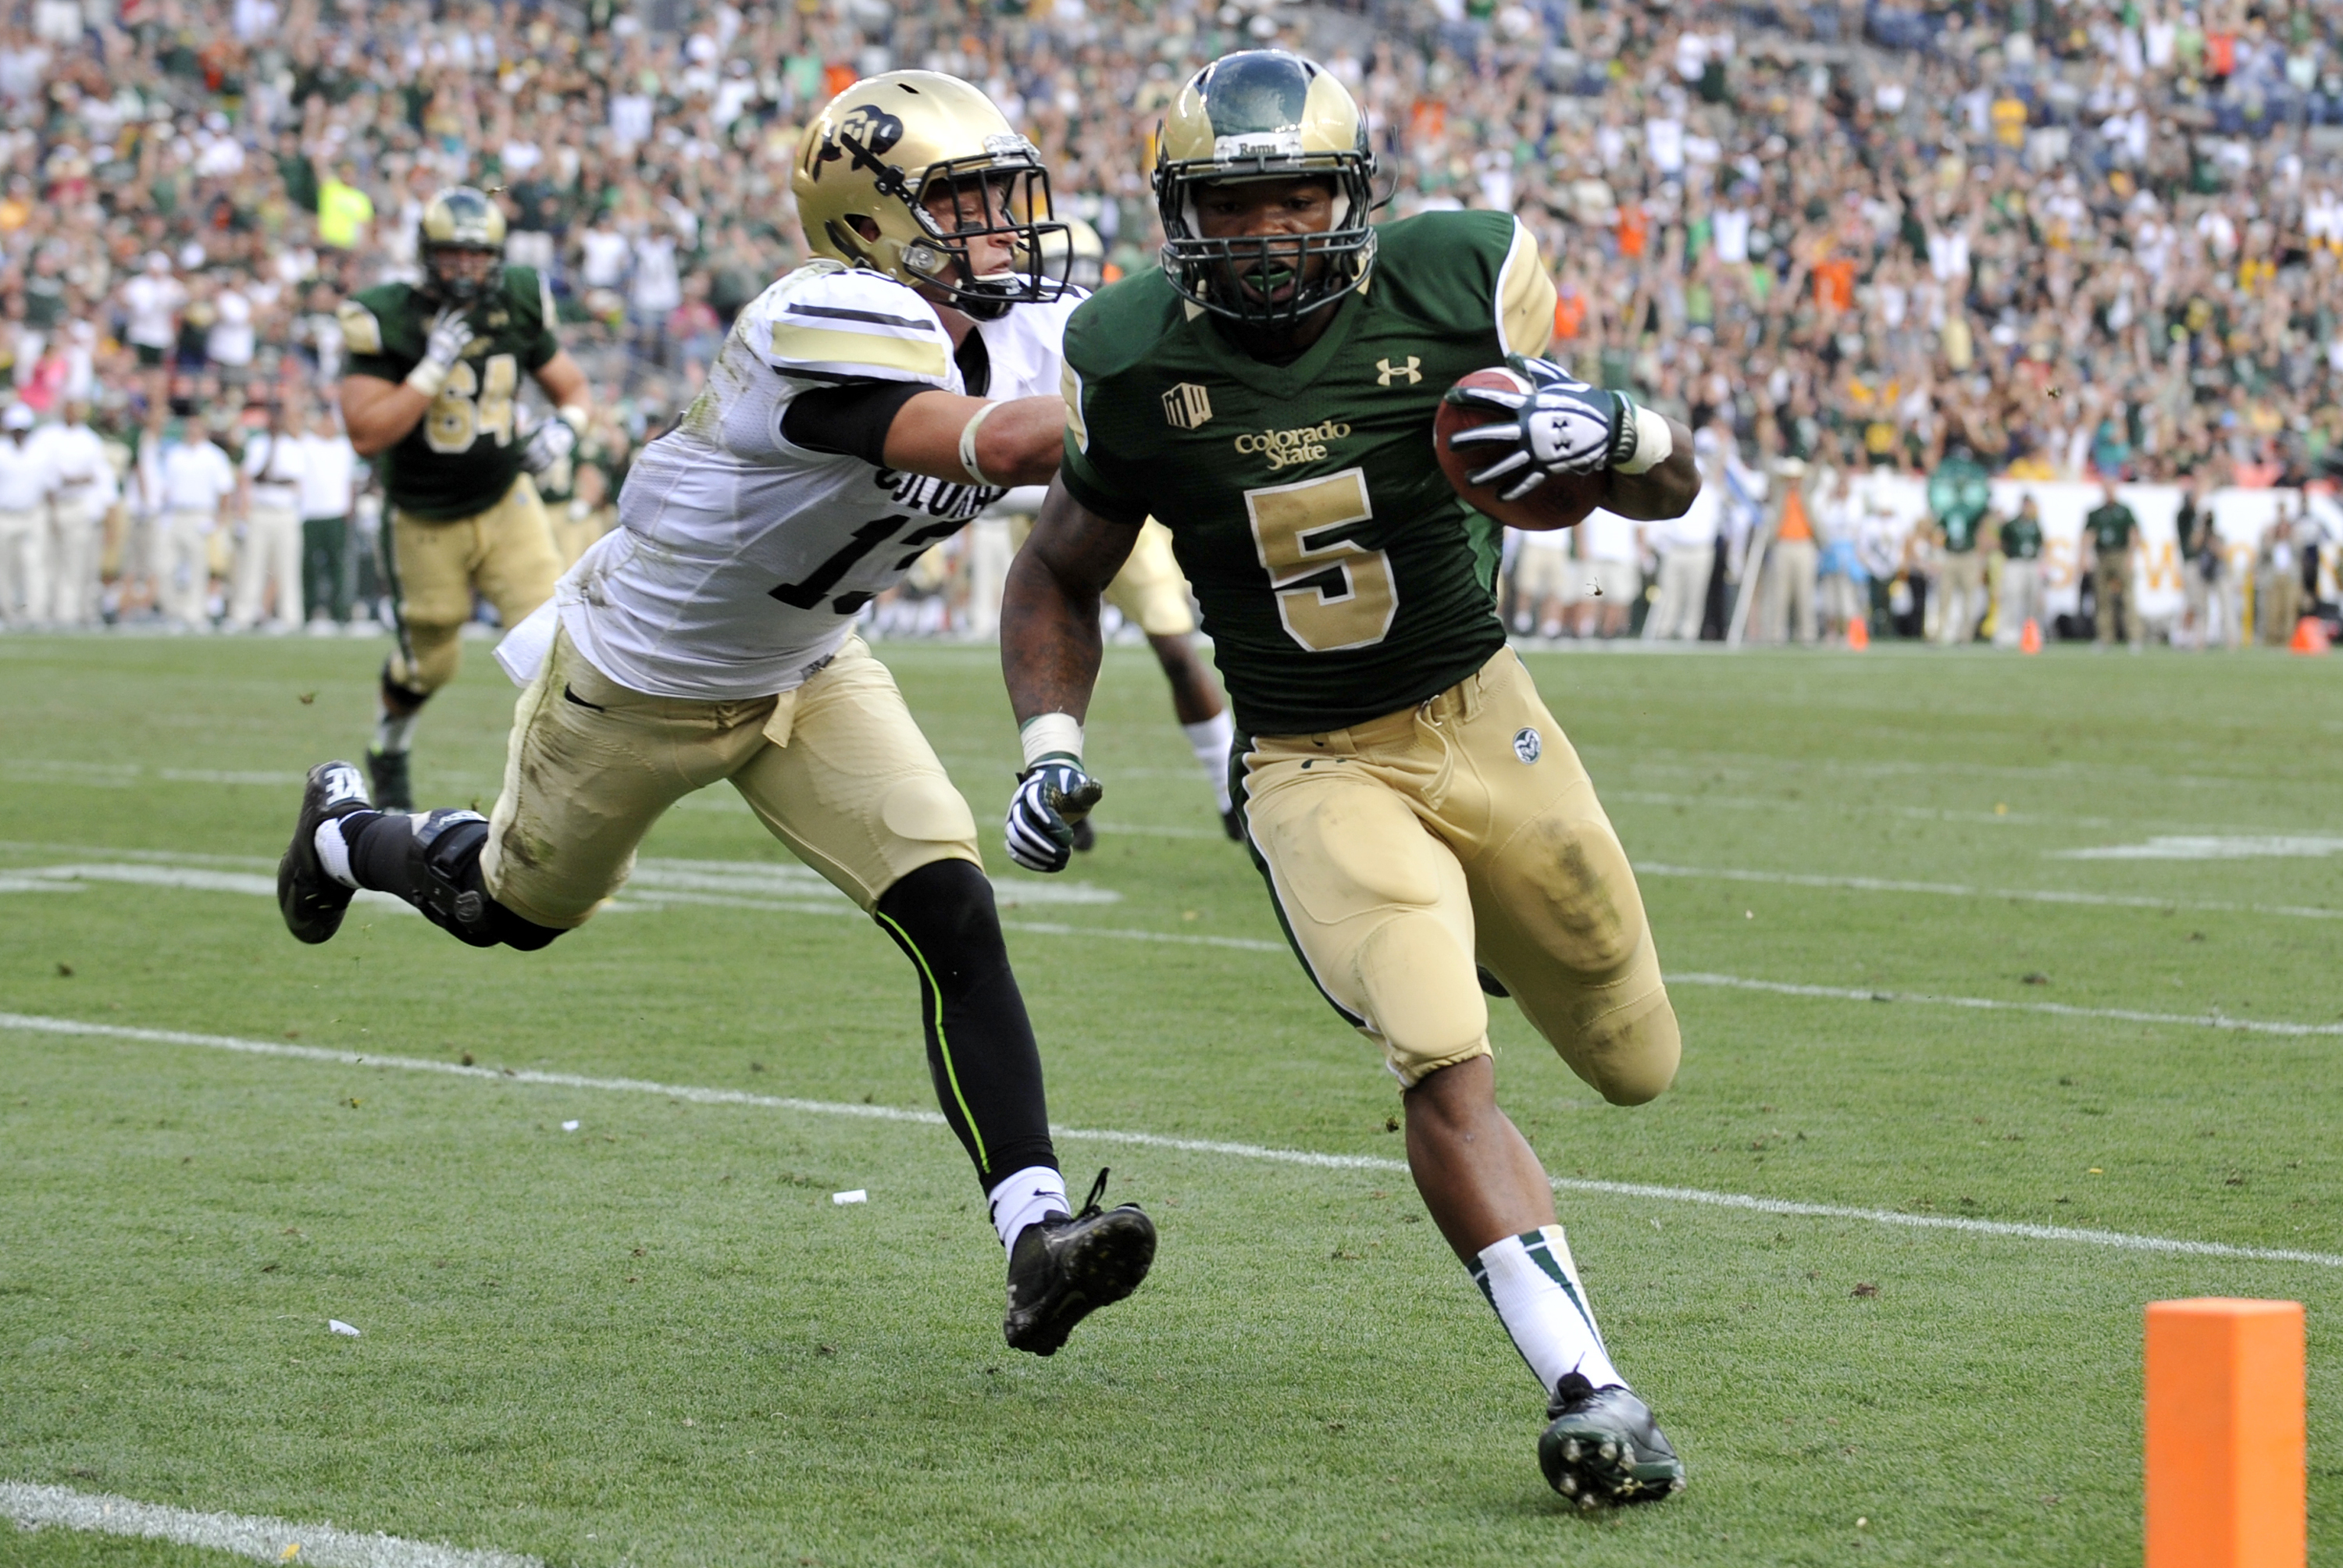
column 864, row 406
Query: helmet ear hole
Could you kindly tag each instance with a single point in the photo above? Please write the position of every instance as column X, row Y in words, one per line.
column 867, row 228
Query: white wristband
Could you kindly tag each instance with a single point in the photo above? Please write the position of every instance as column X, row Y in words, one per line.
column 1654, row 444
column 1051, row 734
column 427, row 378
column 575, row 416
column 967, row 443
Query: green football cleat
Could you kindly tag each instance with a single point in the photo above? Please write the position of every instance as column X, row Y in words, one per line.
column 1600, row 1445
column 1067, row 1266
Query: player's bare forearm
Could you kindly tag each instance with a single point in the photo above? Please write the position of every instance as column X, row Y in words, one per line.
column 1019, row 443
column 1049, row 608
column 1662, row 492
column 563, row 380
column 378, row 414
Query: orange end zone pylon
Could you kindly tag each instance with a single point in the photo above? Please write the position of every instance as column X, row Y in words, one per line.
column 2227, row 1484
column 1858, row 635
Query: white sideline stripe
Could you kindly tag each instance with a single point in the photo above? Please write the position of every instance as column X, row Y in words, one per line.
column 1962, row 890
column 256, row 1536
column 2217, row 846
column 32, row 1023
column 1989, row 1004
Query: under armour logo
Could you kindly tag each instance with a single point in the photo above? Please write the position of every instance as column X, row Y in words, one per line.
column 1386, row 371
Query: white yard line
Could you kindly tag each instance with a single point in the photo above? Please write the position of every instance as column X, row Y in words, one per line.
column 258, row 1537
column 1989, row 1004
column 1962, row 890
column 33, row 1023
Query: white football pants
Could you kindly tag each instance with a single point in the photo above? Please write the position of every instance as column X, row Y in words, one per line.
column 76, row 541
column 183, row 566
column 23, row 567
column 271, row 550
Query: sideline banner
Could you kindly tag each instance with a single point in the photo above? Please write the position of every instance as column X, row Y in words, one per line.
column 2240, row 518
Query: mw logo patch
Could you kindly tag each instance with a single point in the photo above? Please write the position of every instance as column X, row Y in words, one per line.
column 1407, row 375
column 1527, row 746
column 1307, row 444
column 1187, row 405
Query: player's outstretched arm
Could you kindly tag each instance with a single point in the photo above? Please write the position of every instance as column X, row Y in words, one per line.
column 1002, row 443
column 1050, row 607
column 1050, row 659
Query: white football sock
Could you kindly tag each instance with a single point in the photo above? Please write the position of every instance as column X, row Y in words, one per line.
column 394, row 732
column 1211, row 740
column 1034, row 1193
column 333, row 851
column 1533, row 1284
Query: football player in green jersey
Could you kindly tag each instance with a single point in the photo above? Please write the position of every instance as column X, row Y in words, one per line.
column 1426, row 831
column 431, row 394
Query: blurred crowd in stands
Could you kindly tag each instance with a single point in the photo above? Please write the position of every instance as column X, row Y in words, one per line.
column 1962, row 249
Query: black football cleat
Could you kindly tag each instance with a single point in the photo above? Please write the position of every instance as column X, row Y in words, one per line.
column 1600, row 1445
column 313, row 903
column 1067, row 1267
column 392, row 793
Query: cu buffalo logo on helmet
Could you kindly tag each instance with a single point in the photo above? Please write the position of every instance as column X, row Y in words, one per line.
column 864, row 136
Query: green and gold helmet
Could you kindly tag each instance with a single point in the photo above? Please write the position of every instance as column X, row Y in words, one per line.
column 1264, row 115
column 886, row 148
column 458, row 222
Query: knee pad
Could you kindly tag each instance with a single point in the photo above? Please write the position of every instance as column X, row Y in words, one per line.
column 426, row 658
column 399, row 698
column 944, row 912
column 444, row 866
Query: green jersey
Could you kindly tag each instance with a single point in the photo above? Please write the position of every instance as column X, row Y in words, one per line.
column 2021, row 538
column 462, row 457
column 1959, row 494
column 2111, row 528
column 1341, row 577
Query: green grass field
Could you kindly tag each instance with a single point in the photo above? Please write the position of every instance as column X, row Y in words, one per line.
column 654, row 1340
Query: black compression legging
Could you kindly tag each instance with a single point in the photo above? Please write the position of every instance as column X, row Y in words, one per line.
column 980, row 1048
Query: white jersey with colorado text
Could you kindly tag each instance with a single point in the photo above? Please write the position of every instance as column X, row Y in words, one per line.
column 740, row 561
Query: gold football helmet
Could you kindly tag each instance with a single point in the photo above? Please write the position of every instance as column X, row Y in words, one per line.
column 1264, row 115
column 459, row 223
column 886, row 148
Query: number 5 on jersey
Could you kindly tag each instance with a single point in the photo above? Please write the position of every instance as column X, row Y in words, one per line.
column 1332, row 594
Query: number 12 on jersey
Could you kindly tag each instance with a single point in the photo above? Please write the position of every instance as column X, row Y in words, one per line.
column 1332, row 594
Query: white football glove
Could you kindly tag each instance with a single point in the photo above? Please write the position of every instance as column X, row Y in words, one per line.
column 1051, row 796
column 449, row 335
column 1561, row 426
column 554, row 439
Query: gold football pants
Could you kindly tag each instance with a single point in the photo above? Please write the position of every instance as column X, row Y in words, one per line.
column 1405, row 851
column 836, row 769
column 506, row 552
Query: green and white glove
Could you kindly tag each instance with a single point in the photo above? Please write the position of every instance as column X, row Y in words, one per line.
column 450, row 334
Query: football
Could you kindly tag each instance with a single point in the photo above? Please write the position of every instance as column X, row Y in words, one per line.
column 1562, row 502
